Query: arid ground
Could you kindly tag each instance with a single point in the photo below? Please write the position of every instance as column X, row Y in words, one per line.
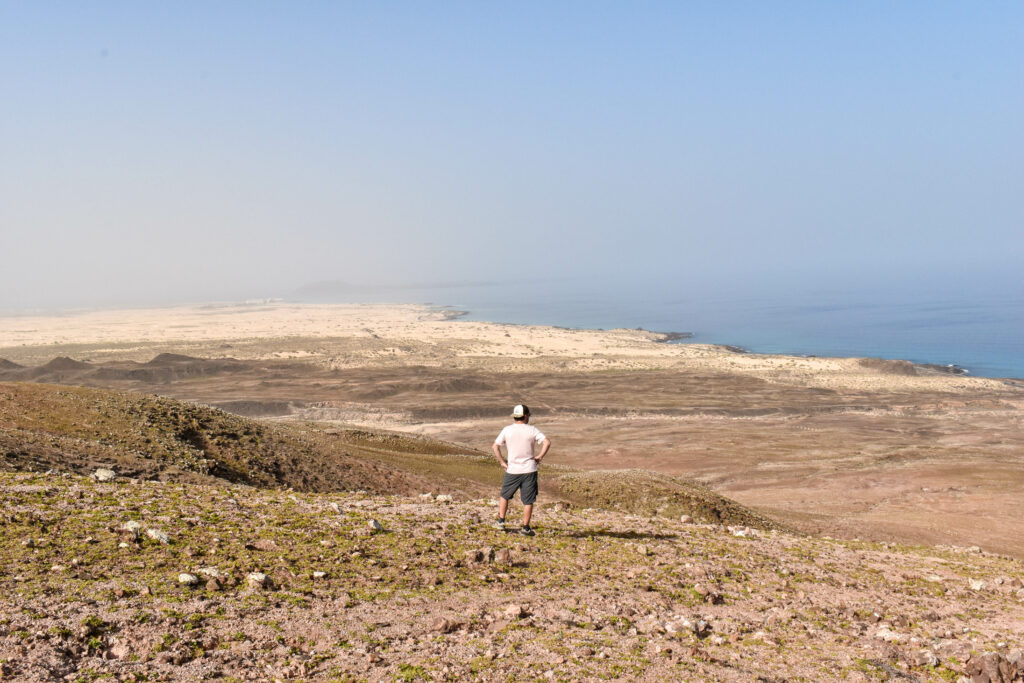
column 852, row 448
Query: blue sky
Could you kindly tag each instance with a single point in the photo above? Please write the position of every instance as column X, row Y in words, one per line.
column 188, row 151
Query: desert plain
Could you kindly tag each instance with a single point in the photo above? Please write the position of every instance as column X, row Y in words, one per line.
column 846, row 447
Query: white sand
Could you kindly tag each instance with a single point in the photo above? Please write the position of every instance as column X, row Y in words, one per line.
column 408, row 334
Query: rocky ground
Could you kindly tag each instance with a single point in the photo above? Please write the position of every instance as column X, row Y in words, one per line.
column 131, row 580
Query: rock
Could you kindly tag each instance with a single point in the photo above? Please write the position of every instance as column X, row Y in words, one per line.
column 334, row 506
column 442, row 625
column 643, row 550
column 158, row 536
column 103, row 474
column 375, row 526
column 889, row 636
column 211, row 572
column 993, row 667
column 503, row 556
column 426, row 496
column 444, row 498
column 702, row 628
column 29, row 543
column 686, row 519
column 258, row 580
column 186, row 579
column 514, row 611
column 977, row 585
column 133, row 528
column 926, row 658
column 319, row 575
column 120, row 651
column 213, row 585
column 488, row 554
column 678, row 626
column 264, row 544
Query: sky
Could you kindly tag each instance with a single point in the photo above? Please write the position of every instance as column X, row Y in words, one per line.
column 197, row 151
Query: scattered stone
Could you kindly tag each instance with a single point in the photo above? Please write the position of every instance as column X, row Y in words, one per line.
column 213, row 584
column 211, row 572
column 319, row 575
column 158, row 536
column 643, row 550
column 426, row 496
column 258, row 580
column 442, row 625
column 375, row 526
column 29, row 543
column 188, row 579
column 444, row 498
column 686, row 519
column 992, row 666
column 334, row 506
column 103, row 474
column 678, row 626
column 503, row 556
column 515, row 611
column 120, row 651
column 133, row 528
column 977, row 585
column 702, row 628
column 888, row 635
column 264, row 544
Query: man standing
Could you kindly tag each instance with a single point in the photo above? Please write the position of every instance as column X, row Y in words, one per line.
column 520, row 439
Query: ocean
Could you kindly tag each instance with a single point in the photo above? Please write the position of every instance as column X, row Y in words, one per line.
column 979, row 329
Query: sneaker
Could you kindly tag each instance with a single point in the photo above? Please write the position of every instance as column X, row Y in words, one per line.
column 527, row 531
column 499, row 524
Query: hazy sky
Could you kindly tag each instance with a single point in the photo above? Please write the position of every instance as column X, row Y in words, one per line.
column 216, row 150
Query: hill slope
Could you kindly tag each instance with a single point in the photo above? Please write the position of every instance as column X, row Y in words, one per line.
column 76, row 429
column 141, row 580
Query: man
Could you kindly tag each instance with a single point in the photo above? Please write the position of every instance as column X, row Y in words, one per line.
column 520, row 440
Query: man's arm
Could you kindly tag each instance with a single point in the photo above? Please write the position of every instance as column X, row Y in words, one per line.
column 544, row 446
column 497, row 454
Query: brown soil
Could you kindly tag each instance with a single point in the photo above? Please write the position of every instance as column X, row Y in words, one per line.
column 914, row 466
column 439, row 595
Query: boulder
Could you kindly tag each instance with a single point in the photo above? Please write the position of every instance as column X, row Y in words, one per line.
column 104, row 474
column 187, row 579
column 158, row 536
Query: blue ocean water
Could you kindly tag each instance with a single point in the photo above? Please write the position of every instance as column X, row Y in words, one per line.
column 980, row 329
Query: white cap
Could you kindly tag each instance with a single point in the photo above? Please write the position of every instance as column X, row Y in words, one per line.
column 520, row 411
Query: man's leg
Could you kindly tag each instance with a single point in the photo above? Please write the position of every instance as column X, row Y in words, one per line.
column 502, row 508
column 528, row 493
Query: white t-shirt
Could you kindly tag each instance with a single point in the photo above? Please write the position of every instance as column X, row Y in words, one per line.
column 520, row 439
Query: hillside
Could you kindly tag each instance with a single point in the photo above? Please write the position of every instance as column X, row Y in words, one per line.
column 75, row 429
column 144, row 580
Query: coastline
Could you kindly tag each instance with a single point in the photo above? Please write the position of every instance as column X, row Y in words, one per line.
column 396, row 334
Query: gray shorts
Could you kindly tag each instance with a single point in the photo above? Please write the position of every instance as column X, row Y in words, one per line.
column 526, row 484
